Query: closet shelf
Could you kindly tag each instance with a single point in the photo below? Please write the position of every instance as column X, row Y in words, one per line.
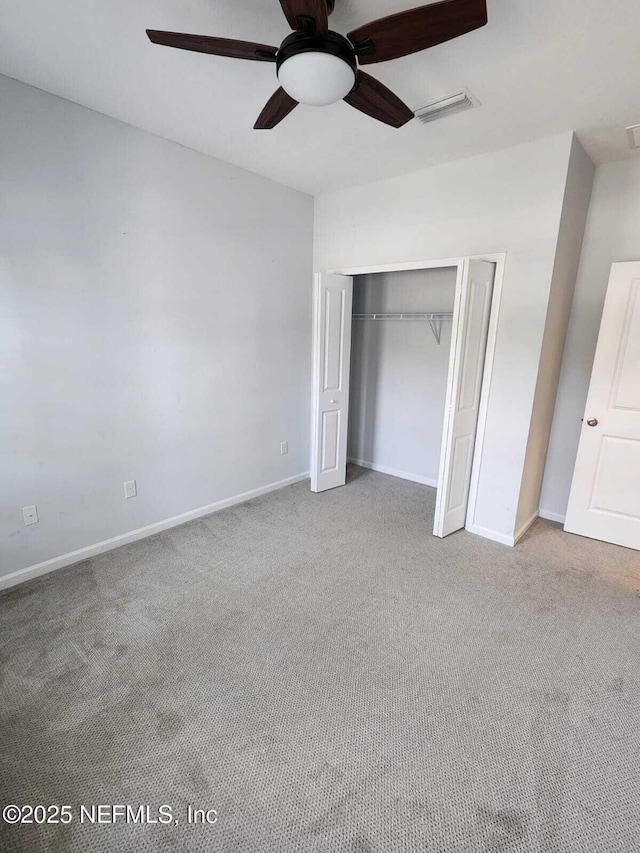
column 435, row 320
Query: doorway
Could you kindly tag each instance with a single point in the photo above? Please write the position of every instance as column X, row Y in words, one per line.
column 400, row 342
column 476, row 298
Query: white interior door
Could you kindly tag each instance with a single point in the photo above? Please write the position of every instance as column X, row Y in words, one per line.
column 331, row 365
column 472, row 308
column 605, row 492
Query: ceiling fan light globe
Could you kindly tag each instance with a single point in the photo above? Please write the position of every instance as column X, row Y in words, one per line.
column 316, row 78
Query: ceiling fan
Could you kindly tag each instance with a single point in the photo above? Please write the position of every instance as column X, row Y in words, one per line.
column 317, row 66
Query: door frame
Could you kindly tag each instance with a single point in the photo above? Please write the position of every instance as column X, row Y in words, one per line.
column 497, row 258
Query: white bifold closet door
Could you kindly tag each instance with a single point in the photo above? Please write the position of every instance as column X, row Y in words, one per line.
column 331, row 366
column 472, row 308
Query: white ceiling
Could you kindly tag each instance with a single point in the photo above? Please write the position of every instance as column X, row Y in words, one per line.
column 538, row 68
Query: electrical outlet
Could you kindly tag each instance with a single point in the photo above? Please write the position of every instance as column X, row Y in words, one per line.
column 30, row 515
column 284, row 448
column 130, row 489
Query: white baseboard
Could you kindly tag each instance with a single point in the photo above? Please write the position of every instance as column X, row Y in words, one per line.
column 494, row 535
column 517, row 536
column 552, row 516
column 393, row 472
column 503, row 538
column 69, row 559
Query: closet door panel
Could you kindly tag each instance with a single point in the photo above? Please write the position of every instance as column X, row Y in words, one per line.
column 474, row 290
column 331, row 365
column 462, row 453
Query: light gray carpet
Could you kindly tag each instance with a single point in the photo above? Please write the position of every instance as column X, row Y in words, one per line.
column 330, row 677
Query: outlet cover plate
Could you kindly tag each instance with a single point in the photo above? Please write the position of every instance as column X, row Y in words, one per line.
column 30, row 515
column 633, row 134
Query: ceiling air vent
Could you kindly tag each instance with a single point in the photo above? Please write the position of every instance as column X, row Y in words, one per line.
column 463, row 100
column 634, row 136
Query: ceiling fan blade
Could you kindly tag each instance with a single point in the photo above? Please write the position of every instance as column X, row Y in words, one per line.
column 277, row 107
column 218, row 47
column 314, row 10
column 373, row 98
column 417, row 29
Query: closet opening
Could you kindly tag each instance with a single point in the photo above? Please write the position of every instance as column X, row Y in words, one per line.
column 400, row 341
column 399, row 363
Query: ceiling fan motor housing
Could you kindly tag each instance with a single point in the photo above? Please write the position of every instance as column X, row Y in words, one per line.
column 316, row 69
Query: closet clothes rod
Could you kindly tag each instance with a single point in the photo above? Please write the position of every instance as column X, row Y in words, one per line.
column 434, row 319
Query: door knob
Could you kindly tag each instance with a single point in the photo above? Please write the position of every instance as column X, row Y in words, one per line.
column 592, row 422
column 332, row 401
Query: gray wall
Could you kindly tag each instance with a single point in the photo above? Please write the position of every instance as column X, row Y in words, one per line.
column 572, row 227
column 612, row 234
column 155, row 325
column 399, row 373
column 507, row 201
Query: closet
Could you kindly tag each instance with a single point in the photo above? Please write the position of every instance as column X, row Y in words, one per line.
column 400, row 342
column 409, row 342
